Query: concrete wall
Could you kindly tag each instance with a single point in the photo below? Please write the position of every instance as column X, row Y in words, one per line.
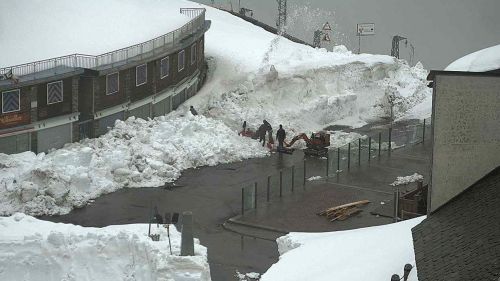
column 466, row 125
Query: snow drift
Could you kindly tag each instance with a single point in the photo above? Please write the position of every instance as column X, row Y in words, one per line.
column 482, row 60
column 32, row 249
column 136, row 153
column 372, row 253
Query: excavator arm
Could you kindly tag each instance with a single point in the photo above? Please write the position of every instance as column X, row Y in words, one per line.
column 296, row 138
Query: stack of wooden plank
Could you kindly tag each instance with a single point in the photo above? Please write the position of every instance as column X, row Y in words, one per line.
column 342, row 212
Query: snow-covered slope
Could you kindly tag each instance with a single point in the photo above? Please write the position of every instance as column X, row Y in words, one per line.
column 136, row 153
column 372, row 253
column 36, row 250
column 30, row 28
column 482, row 60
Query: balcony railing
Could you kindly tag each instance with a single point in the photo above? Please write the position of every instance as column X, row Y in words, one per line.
column 45, row 68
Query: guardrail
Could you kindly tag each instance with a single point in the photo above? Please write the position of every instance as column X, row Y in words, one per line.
column 142, row 50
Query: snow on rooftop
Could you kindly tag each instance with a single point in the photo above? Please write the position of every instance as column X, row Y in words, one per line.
column 32, row 30
column 372, row 253
column 482, row 60
column 32, row 249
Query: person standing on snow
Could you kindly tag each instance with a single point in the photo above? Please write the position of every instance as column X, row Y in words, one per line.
column 262, row 133
column 280, row 136
column 193, row 111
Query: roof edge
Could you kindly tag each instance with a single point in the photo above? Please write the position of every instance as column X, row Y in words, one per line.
column 433, row 73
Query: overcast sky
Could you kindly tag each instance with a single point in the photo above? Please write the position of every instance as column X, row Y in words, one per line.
column 440, row 30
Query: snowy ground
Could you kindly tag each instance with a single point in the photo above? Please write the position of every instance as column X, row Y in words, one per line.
column 32, row 249
column 136, row 153
column 372, row 253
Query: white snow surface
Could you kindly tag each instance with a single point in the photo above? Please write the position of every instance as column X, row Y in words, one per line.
column 36, row 250
column 136, row 153
column 407, row 179
column 482, row 60
column 29, row 28
column 372, row 253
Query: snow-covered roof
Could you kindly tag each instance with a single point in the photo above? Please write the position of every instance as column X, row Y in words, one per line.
column 482, row 60
column 37, row 30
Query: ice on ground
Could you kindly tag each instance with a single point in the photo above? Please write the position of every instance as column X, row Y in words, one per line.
column 314, row 178
column 91, row 27
column 372, row 253
column 407, row 179
column 32, row 249
column 136, row 153
column 482, row 60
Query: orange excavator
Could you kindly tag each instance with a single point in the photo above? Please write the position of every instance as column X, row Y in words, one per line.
column 317, row 144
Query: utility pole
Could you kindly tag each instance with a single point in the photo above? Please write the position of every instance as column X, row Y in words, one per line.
column 282, row 14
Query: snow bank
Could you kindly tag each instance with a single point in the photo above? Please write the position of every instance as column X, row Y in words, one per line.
column 32, row 249
column 482, row 60
column 372, row 253
column 30, row 27
column 136, row 153
column 255, row 75
column 407, row 179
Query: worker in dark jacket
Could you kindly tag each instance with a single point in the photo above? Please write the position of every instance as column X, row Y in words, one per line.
column 193, row 111
column 280, row 136
column 262, row 133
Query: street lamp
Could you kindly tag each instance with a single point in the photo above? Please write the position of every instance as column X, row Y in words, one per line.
column 408, row 267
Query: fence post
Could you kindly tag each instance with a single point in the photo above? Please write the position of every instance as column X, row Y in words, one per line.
column 390, row 140
column 293, row 177
column 338, row 159
column 349, row 156
column 268, row 187
column 396, row 204
column 255, row 195
column 423, row 133
column 242, row 201
column 327, row 164
column 359, row 152
column 281, row 183
column 304, row 184
column 369, row 149
column 379, row 143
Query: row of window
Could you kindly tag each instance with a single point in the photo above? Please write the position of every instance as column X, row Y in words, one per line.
column 11, row 100
column 141, row 71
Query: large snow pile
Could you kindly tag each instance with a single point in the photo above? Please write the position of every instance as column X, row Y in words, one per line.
column 257, row 75
column 32, row 249
column 136, row 153
column 482, row 60
column 372, row 253
column 29, row 28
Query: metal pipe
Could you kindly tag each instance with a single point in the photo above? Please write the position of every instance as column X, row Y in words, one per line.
column 359, row 152
column 255, row 196
column 268, row 187
column 369, row 149
column 349, row 156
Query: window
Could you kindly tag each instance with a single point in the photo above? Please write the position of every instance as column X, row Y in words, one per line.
column 11, row 101
column 180, row 60
column 141, row 74
column 193, row 53
column 112, row 83
column 164, row 67
column 54, row 92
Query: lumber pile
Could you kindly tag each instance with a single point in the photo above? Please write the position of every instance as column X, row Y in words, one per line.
column 342, row 212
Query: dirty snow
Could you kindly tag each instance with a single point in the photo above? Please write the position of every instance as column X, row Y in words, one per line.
column 407, row 179
column 136, row 153
column 314, row 178
column 372, row 253
column 37, row 250
column 482, row 60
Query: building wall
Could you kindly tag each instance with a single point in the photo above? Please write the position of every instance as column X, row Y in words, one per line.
column 45, row 110
column 466, row 132
column 17, row 118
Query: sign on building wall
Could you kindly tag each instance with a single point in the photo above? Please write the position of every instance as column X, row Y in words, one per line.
column 365, row 29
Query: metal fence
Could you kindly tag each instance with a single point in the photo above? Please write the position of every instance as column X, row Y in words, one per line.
column 35, row 70
column 339, row 159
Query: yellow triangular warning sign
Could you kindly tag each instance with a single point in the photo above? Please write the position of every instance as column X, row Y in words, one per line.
column 327, row 26
column 326, row 38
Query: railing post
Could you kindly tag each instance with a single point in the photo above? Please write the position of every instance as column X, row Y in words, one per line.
column 396, row 204
column 293, row 177
column 390, row 140
column 255, row 196
column 327, row 164
column 379, row 143
column 369, row 149
column 242, row 201
column 349, row 156
column 55, row 66
column 304, row 184
column 268, row 187
column 423, row 133
column 338, row 160
column 359, row 152
column 281, row 183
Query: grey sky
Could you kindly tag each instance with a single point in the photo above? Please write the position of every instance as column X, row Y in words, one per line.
column 440, row 30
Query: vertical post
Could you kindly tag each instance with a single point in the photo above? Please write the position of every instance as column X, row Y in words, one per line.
column 242, row 201
column 327, row 164
column 304, row 184
column 268, row 187
column 293, row 177
column 281, row 183
column 369, row 149
column 359, row 152
column 423, row 133
column 379, row 143
column 338, row 159
column 349, row 156
column 187, row 239
column 390, row 139
column 255, row 196
column 396, row 204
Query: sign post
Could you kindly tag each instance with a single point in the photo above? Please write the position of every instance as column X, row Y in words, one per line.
column 364, row 29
